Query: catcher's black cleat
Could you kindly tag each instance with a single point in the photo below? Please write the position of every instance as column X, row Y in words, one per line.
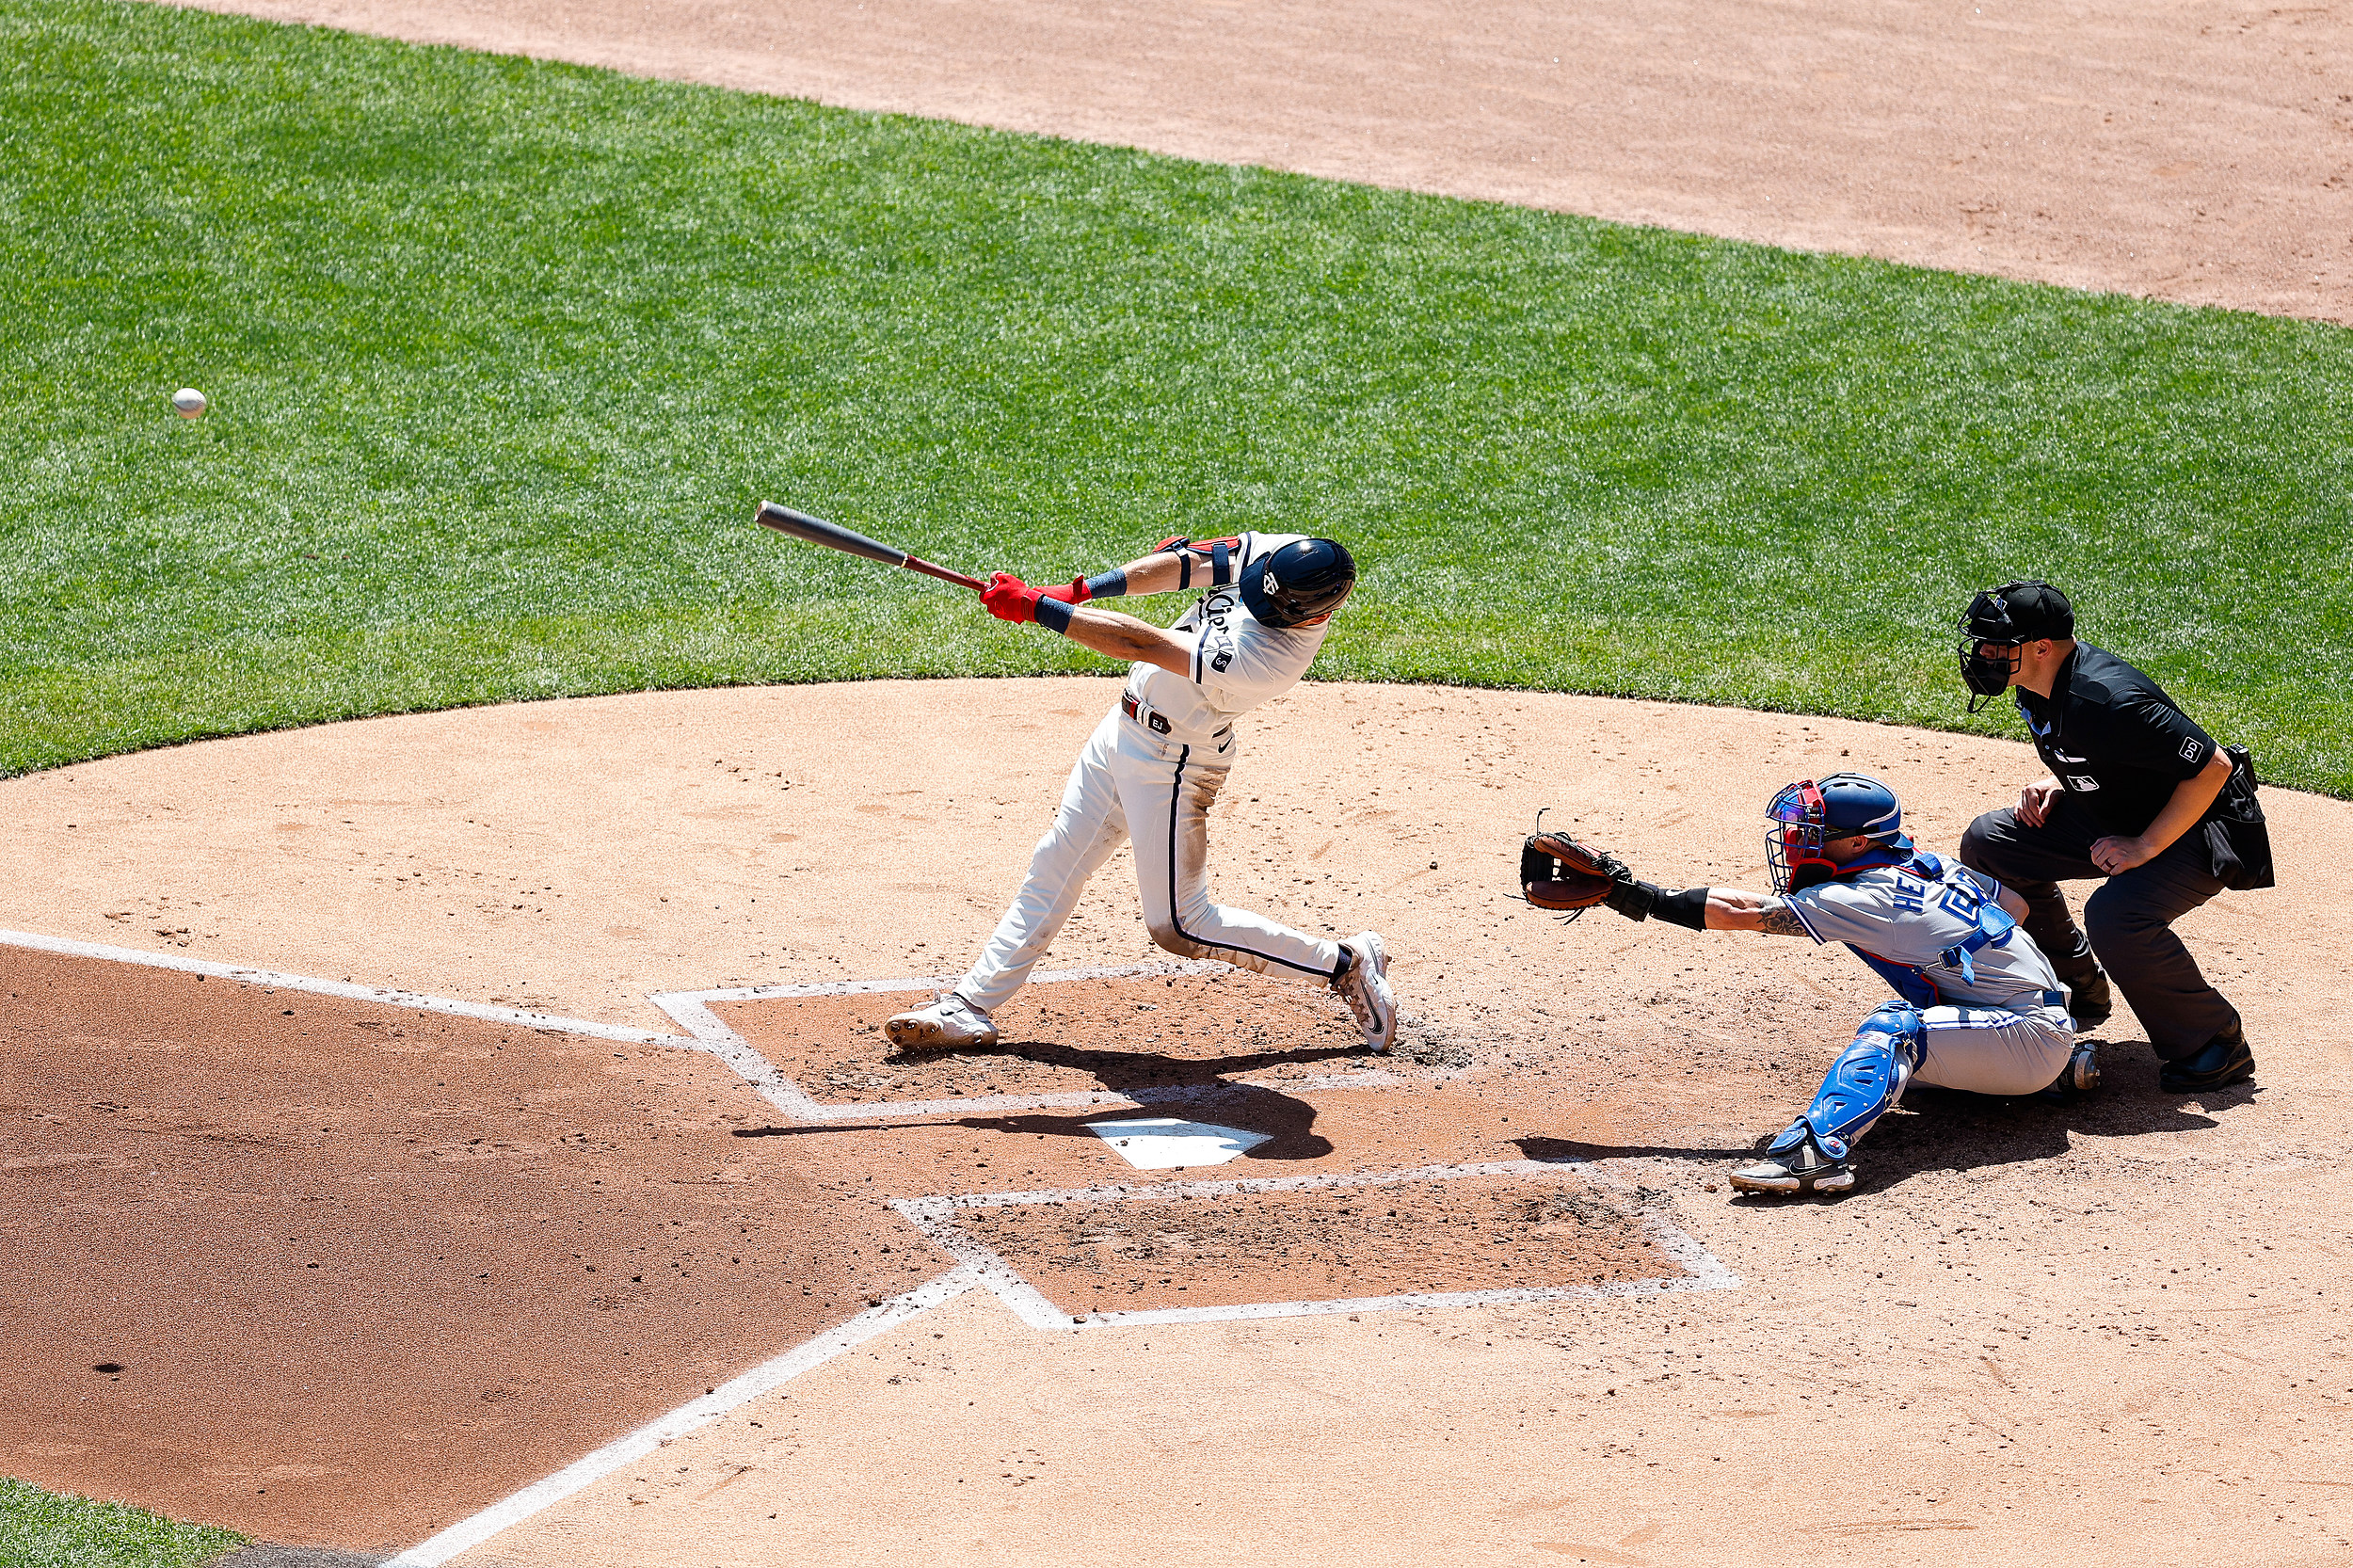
column 2224, row 1061
column 1794, row 1167
column 2077, row 1079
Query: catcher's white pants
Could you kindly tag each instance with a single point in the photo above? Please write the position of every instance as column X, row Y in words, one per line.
column 1991, row 1051
column 1130, row 783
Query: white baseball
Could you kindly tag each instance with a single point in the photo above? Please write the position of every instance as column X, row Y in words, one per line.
column 188, row 400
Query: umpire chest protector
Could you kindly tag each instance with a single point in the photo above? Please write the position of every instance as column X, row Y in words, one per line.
column 2120, row 746
column 2112, row 736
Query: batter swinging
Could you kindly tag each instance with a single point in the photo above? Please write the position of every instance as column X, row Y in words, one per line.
column 1153, row 766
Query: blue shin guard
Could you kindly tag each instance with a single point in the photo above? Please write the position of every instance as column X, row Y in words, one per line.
column 1863, row 1084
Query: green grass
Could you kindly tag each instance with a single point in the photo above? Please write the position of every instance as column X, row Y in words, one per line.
column 43, row 1529
column 502, row 354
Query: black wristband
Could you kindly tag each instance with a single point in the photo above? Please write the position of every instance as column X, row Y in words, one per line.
column 1053, row 615
column 1107, row 584
column 1687, row 908
column 1632, row 899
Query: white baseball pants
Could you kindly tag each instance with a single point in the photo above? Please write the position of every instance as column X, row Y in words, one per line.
column 1991, row 1051
column 1130, row 783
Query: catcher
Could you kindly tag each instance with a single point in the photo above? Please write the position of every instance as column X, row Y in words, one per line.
column 1978, row 1007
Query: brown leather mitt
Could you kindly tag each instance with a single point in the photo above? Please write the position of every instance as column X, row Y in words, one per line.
column 1558, row 873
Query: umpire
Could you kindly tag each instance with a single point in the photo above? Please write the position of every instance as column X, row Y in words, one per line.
column 2137, row 794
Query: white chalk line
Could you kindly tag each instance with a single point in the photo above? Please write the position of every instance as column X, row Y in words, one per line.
column 275, row 980
column 763, row 1379
column 935, row 1217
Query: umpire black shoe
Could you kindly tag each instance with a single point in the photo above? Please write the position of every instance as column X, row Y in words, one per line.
column 2089, row 1000
column 2225, row 1060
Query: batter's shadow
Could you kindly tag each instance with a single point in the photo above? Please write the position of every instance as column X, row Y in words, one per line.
column 1286, row 1124
column 1188, row 1084
column 1122, row 1071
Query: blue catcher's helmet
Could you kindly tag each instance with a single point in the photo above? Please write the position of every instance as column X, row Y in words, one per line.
column 1838, row 806
column 1304, row 579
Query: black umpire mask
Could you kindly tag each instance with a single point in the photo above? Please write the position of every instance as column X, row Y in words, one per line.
column 2008, row 618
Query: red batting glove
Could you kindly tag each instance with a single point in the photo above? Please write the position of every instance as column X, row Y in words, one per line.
column 1008, row 597
column 1073, row 592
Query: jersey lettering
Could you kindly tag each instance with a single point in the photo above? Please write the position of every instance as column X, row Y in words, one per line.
column 1962, row 900
column 1932, row 930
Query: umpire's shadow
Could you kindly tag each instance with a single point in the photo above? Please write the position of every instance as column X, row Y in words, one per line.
column 1947, row 1129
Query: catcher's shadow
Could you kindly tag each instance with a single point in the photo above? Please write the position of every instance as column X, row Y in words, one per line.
column 1947, row 1129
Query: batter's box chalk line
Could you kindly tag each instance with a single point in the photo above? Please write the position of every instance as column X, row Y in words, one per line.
column 936, row 1218
column 691, row 1009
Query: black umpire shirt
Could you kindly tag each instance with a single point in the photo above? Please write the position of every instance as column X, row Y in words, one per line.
column 2113, row 739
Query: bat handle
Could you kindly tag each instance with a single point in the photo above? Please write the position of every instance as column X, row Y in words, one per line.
column 912, row 564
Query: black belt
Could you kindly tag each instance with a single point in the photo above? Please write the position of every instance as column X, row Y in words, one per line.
column 2054, row 999
column 1153, row 722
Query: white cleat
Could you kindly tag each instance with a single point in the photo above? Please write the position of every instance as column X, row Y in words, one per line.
column 1790, row 1171
column 947, row 1024
column 1365, row 989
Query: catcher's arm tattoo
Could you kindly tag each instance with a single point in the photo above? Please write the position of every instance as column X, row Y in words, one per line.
column 1733, row 909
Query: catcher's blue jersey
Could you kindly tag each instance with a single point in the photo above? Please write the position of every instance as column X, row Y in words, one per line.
column 1934, row 929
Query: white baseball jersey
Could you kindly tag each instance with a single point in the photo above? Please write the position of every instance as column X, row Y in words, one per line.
column 1934, row 929
column 1239, row 662
column 1149, row 778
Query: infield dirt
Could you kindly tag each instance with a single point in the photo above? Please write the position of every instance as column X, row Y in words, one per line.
column 2065, row 1332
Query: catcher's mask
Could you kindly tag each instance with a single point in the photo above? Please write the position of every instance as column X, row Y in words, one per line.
column 1304, row 579
column 1838, row 806
column 2008, row 618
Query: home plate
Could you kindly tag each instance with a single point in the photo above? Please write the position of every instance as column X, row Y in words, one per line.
column 1167, row 1143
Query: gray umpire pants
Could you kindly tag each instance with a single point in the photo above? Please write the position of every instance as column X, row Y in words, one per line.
column 2129, row 919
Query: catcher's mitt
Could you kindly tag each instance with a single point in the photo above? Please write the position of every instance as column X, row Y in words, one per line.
column 1558, row 872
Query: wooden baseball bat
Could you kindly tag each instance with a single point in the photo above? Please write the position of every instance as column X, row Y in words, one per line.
column 817, row 531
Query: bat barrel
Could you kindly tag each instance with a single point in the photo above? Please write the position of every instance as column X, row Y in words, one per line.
column 832, row 535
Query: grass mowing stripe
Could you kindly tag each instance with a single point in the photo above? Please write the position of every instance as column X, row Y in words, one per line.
column 502, row 352
column 48, row 1530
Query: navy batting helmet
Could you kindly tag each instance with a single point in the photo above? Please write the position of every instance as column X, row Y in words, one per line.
column 1304, row 579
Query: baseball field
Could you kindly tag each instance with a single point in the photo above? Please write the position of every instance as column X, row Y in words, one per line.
column 446, row 1119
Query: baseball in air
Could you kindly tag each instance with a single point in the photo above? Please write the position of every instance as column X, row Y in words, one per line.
column 188, row 400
